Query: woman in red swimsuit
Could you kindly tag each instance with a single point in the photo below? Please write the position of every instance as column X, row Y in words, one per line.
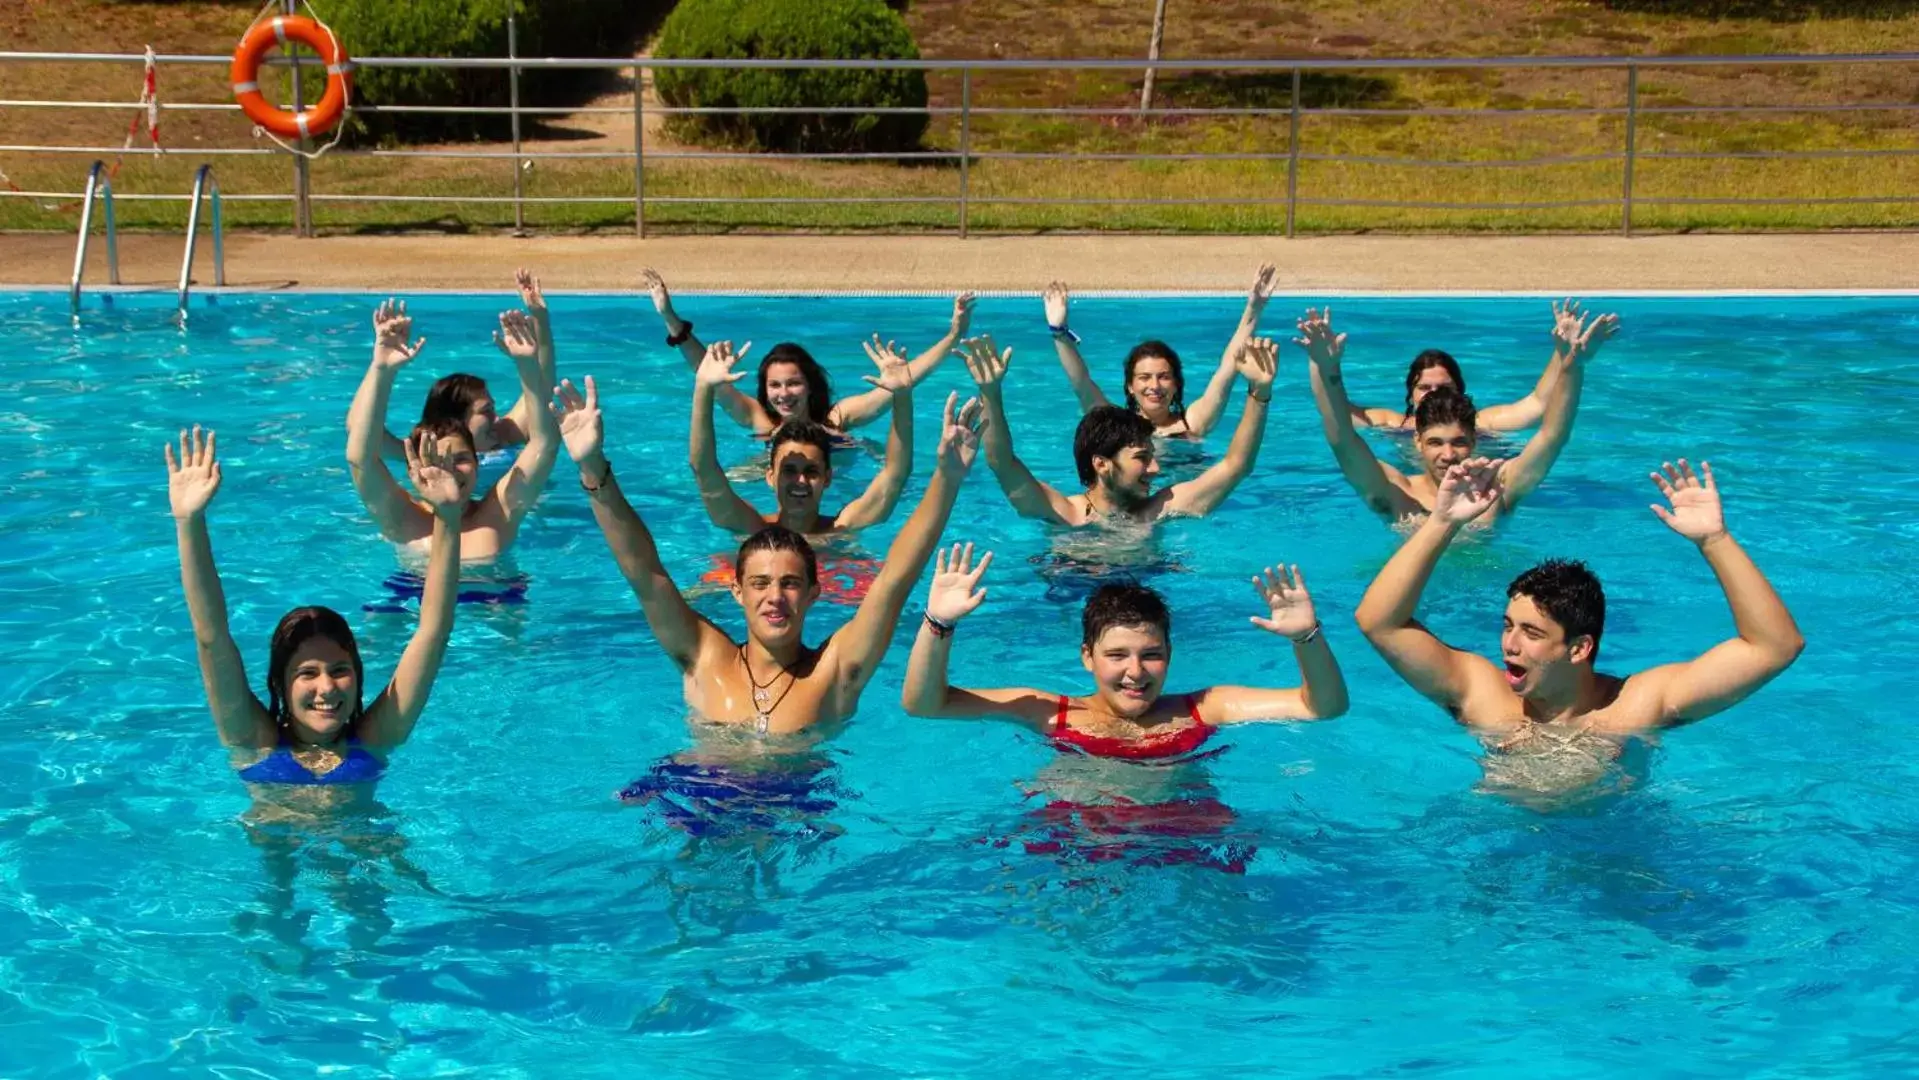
column 1127, row 647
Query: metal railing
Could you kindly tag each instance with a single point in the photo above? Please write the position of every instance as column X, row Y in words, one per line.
column 99, row 186
column 968, row 157
column 204, row 185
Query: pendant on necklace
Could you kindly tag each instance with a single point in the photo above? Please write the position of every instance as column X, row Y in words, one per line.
column 761, row 693
column 761, row 722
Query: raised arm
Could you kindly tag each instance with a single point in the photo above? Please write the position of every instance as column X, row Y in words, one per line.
column 517, row 425
column 954, row 595
column 1321, row 693
column 1066, row 343
column 859, row 645
column 1203, row 415
column 1031, row 498
column 680, row 631
column 723, row 504
column 1385, row 614
column 895, row 379
column 1258, row 362
column 389, row 720
column 849, row 413
column 1324, row 349
column 1583, row 339
column 392, row 510
column 520, row 337
column 192, row 480
column 745, row 411
column 1766, row 640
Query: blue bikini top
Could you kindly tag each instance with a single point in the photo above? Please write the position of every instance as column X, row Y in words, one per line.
column 281, row 767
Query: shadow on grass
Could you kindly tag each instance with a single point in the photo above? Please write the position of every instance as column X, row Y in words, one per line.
column 1270, row 90
column 1770, row 10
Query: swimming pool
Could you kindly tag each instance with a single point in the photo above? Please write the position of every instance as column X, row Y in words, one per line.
column 1335, row 900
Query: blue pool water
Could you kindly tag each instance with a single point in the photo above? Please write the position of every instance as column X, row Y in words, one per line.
column 1335, row 899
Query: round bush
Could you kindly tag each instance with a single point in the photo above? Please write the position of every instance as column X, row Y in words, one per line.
column 793, row 30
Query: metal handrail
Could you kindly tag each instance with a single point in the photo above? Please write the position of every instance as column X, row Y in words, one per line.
column 204, row 185
column 99, row 185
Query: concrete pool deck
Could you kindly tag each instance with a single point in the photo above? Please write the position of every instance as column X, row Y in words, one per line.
column 1853, row 261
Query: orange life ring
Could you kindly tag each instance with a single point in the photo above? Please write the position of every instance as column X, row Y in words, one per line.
column 274, row 33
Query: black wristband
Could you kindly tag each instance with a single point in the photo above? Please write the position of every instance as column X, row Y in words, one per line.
column 1061, row 331
column 674, row 341
column 940, row 627
column 605, row 475
column 1308, row 637
column 1255, row 396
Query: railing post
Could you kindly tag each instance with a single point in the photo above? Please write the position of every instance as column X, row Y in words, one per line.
column 965, row 144
column 1632, row 124
column 639, row 151
column 513, row 91
column 302, row 175
column 1292, row 158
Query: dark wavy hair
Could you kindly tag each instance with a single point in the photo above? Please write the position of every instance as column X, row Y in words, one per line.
column 1103, row 432
column 452, row 398
column 297, row 627
column 1447, row 406
column 445, row 427
column 1123, row 603
column 1157, row 350
column 797, row 430
column 778, row 538
column 1569, row 593
column 819, row 391
column 1432, row 358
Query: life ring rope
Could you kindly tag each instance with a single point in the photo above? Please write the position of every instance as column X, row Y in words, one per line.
column 280, row 125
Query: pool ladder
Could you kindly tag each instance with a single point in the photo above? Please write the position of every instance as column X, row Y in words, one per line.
column 206, row 190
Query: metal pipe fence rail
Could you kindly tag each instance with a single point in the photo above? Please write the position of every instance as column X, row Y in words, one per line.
column 966, row 157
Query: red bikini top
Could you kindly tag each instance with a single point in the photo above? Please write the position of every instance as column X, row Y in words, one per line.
column 1169, row 744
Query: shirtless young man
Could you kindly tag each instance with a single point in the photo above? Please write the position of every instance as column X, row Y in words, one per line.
column 1433, row 369
column 791, row 384
column 1153, row 379
column 489, row 523
column 1546, row 700
column 773, row 683
column 1113, row 450
column 1446, row 429
column 800, row 466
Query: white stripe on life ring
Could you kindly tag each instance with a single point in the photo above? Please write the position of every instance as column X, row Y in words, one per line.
column 300, row 118
column 246, row 88
column 280, row 29
column 339, row 69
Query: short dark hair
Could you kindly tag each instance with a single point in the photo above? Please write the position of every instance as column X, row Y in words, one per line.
column 1123, row 603
column 778, row 538
column 444, row 427
column 798, row 430
column 1103, row 432
column 296, row 628
column 1432, row 358
column 452, row 397
column 1157, row 350
column 1446, row 406
column 819, row 392
column 1568, row 593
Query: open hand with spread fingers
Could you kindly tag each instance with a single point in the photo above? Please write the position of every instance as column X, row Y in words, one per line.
column 518, row 336
column 716, row 368
column 580, row 425
column 194, row 477
column 392, row 327
column 984, row 361
column 1258, row 363
column 962, row 314
column 894, row 375
column 1323, row 347
column 1696, row 513
column 956, row 591
column 1579, row 336
column 1264, row 281
column 1055, row 300
column 959, row 434
column 529, row 287
column 1469, row 489
column 433, row 476
column 1289, row 605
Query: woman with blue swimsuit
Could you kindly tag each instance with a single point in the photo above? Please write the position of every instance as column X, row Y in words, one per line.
column 314, row 728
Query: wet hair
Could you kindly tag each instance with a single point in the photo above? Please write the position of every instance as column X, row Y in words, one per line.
column 452, row 398
column 1157, row 350
column 297, row 627
column 819, row 392
column 1105, row 431
column 797, row 430
column 1446, row 406
column 778, row 538
column 1569, row 594
column 1123, row 603
column 445, row 427
column 1432, row 358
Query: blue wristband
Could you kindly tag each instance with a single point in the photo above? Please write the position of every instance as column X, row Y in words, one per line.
column 1061, row 331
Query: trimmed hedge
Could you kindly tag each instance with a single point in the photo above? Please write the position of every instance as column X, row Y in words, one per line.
column 476, row 28
column 793, row 29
